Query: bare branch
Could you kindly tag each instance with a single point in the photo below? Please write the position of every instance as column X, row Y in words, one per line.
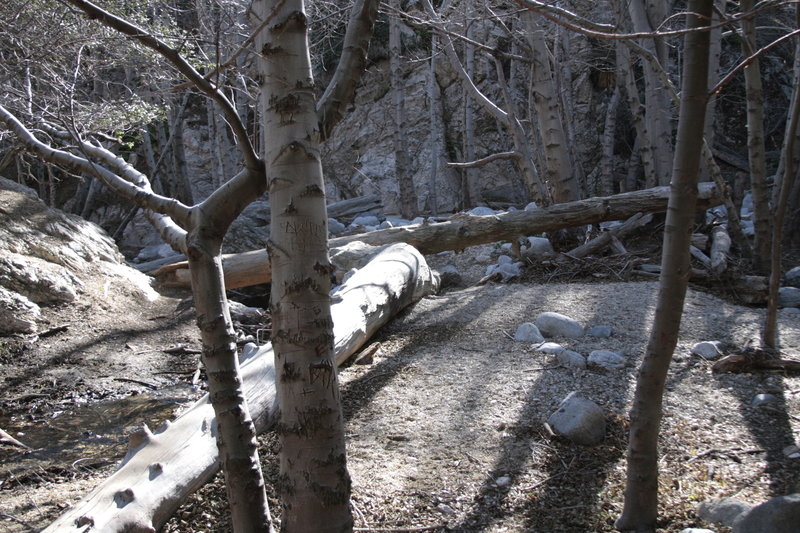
column 485, row 160
column 173, row 56
column 136, row 190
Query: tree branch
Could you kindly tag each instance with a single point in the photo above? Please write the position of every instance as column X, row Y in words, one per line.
column 173, row 56
column 485, row 160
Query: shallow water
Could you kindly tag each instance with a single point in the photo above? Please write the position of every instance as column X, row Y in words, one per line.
column 87, row 435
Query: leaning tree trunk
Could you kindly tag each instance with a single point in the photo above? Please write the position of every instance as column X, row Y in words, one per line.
column 641, row 492
column 314, row 482
column 755, row 145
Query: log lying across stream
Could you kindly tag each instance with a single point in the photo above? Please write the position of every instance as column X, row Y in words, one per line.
column 164, row 467
column 461, row 231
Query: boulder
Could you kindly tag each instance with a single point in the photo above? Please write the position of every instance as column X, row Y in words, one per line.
column 551, row 348
column 789, row 297
column 580, row 420
column 538, row 246
column 558, row 325
column 764, row 400
column 528, row 332
column 778, row 515
column 17, row 313
column 722, row 510
column 792, row 278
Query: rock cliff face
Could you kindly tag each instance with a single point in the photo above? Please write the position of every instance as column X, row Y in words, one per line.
column 49, row 258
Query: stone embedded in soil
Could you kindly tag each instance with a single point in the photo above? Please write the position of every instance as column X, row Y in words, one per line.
column 709, row 350
column 722, row 510
column 570, row 359
column 580, row 420
column 778, row 515
column 528, row 332
column 558, row 325
column 696, row 530
column 607, row 359
column 762, row 400
column 600, row 332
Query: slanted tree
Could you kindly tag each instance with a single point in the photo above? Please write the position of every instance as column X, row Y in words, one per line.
column 641, row 492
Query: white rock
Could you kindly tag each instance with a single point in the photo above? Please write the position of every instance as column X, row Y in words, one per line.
column 385, row 225
column 778, row 515
column 481, row 211
column 502, row 481
column 696, row 530
column 551, row 348
column 528, row 332
column 335, row 227
column 538, row 246
column 765, row 399
column 365, row 220
column 580, row 420
column 709, row 350
column 607, row 359
column 558, row 325
column 531, row 206
column 504, row 260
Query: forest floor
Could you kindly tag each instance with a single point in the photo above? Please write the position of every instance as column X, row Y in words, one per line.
column 445, row 428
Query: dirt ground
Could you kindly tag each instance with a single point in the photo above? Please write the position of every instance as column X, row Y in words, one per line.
column 445, row 428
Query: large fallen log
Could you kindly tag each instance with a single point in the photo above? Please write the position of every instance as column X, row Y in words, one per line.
column 461, row 231
column 162, row 468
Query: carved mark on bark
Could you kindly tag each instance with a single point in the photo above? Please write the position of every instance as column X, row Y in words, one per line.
column 322, row 371
column 268, row 49
column 290, row 372
column 313, row 190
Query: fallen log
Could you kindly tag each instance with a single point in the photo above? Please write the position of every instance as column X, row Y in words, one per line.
column 720, row 247
column 605, row 239
column 162, row 468
column 463, row 230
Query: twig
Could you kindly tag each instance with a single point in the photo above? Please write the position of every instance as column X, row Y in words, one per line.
column 17, row 520
column 730, row 451
column 399, row 529
column 53, row 331
column 138, row 382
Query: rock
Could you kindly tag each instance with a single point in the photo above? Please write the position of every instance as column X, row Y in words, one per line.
column 531, row 206
column 696, row 530
column 385, row 225
column 778, row 515
column 538, row 246
column 580, row 420
column 504, row 260
column 558, row 325
column 551, row 348
column 722, row 510
column 365, row 220
column 761, row 400
column 354, row 254
column 507, row 271
column 791, row 310
column 607, row 359
column 335, row 227
column 245, row 314
column 445, row 509
column 789, row 297
column 792, row 451
column 570, row 359
column 792, row 278
column 450, row 276
column 502, row 481
column 708, row 350
column 600, row 332
column 481, row 211
column 17, row 313
column 528, row 332
column 397, row 221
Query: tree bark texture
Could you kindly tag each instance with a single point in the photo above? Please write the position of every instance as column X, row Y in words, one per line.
column 641, row 492
column 252, row 268
column 558, row 170
column 165, row 467
column 402, row 166
column 314, row 483
column 755, row 145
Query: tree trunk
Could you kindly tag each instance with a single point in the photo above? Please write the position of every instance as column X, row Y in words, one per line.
column 769, row 335
column 658, row 114
column 472, row 186
column 165, row 467
column 755, row 145
column 402, row 167
column 558, row 162
column 641, row 492
column 609, row 138
column 314, row 482
column 236, row 435
column 251, row 268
